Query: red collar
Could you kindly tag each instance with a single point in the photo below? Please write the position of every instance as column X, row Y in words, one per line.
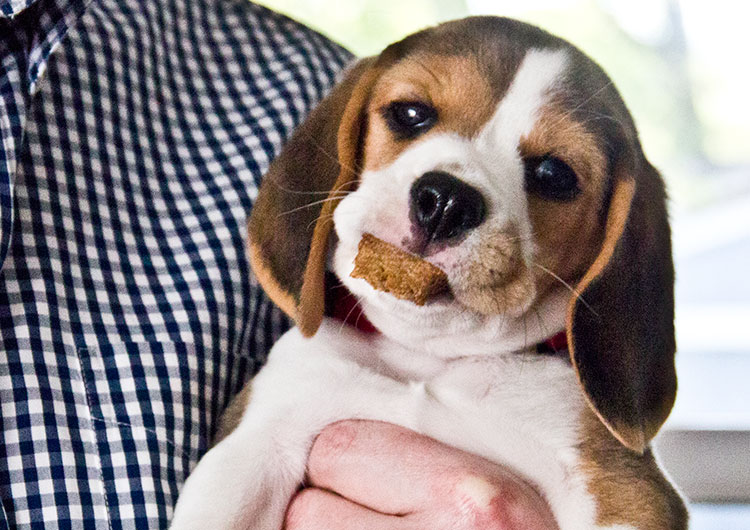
column 344, row 306
column 555, row 344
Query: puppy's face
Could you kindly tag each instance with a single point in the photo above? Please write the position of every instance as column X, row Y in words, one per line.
column 483, row 160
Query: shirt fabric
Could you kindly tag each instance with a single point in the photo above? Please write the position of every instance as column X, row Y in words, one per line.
column 133, row 137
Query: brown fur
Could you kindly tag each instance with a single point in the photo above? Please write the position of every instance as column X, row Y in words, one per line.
column 232, row 415
column 621, row 325
column 567, row 234
column 445, row 82
column 320, row 159
column 629, row 488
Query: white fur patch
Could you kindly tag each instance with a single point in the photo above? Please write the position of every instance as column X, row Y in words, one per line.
column 516, row 114
column 515, row 118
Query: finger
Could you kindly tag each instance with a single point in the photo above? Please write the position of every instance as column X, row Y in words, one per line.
column 316, row 509
column 380, row 465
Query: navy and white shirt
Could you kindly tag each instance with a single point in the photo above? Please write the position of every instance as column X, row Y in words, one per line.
column 133, row 136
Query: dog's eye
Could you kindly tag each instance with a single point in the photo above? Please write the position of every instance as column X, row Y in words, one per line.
column 551, row 178
column 409, row 118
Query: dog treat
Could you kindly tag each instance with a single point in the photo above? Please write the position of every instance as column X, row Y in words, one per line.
column 392, row 270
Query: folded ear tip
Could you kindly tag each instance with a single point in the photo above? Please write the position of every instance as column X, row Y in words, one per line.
column 633, row 438
column 308, row 326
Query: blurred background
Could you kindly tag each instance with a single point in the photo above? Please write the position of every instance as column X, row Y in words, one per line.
column 682, row 67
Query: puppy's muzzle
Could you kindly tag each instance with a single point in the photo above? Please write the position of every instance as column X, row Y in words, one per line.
column 442, row 207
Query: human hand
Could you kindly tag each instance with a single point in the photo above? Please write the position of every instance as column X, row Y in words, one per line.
column 374, row 475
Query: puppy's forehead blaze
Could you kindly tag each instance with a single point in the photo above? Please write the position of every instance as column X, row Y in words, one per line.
column 465, row 91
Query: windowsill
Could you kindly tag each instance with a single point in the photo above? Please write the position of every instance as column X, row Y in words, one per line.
column 719, row 517
column 708, row 466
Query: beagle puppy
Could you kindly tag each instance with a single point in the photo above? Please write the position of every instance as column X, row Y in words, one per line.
column 506, row 158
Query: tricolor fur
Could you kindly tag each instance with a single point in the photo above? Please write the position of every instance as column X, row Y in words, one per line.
column 461, row 369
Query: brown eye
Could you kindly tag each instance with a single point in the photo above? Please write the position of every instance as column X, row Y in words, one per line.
column 408, row 119
column 551, row 178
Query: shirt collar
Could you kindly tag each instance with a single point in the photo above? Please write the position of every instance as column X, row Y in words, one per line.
column 32, row 30
column 10, row 8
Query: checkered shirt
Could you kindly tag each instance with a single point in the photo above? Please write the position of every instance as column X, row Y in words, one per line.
column 133, row 135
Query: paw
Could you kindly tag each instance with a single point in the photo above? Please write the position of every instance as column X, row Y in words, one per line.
column 233, row 489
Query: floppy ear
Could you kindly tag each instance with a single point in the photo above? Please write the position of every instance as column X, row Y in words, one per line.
column 621, row 327
column 292, row 216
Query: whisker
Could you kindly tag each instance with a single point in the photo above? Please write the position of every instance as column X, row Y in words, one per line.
column 319, row 218
column 356, row 322
column 309, row 205
column 582, row 103
column 542, row 325
column 290, row 191
column 430, row 72
column 343, row 323
column 567, row 285
column 329, row 155
column 540, row 321
column 327, row 216
column 279, row 185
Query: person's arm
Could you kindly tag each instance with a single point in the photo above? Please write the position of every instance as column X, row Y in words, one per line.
column 373, row 475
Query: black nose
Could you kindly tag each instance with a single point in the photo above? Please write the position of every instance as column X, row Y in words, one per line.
column 445, row 207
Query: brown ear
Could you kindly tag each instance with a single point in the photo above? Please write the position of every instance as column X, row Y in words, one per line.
column 621, row 327
column 292, row 216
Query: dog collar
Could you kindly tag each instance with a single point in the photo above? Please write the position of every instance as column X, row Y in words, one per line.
column 344, row 306
column 557, row 343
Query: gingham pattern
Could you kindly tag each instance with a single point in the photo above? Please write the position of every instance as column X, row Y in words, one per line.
column 134, row 135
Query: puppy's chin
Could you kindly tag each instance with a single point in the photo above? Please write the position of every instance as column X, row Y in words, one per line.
column 449, row 327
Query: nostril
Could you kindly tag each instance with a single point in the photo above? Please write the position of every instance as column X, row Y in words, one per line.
column 444, row 206
column 427, row 205
column 427, row 201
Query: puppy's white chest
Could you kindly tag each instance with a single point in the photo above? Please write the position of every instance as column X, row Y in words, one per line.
column 513, row 402
column 491, row 405
column 516, row 410
column 508, row 409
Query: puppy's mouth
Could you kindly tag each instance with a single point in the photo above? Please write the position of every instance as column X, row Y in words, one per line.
column 390, row 271
column 415, row 288
column 343, row 305
column 397, row 272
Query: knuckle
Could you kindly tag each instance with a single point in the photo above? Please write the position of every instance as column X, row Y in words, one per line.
column 475, row 492
column 330, row 445
column 302, row 510
column 337, row 437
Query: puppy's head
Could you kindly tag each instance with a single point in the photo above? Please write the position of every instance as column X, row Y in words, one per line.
column 506, row 157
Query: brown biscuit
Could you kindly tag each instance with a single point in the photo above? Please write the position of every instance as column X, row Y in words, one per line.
column 392, row 270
